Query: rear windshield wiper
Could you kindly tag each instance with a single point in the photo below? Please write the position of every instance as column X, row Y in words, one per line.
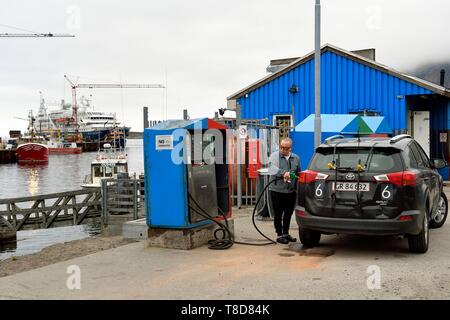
column 369, row 157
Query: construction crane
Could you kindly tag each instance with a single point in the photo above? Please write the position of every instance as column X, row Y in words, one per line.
column 101, row 86
column 35, row 35
column 31, row 34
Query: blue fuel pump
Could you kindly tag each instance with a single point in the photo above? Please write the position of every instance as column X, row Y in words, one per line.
column 185, row 168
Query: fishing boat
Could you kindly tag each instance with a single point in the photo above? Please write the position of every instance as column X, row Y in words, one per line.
column 32, row 152
column 108, row 163
column 61, row 147
column 57, row 144
column 31, row 148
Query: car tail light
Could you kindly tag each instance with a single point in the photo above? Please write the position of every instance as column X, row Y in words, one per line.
column 409, row 178
column 396, row 178
column 403, row 178
column 300, row 213
column 405, row 218
column 308, row 176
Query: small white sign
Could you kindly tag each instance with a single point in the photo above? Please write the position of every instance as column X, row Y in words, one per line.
column 242, row 132
column 164, row 142
column 443, row 137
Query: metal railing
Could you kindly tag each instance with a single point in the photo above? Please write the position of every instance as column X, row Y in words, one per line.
column 268, row 138
column 122, row 197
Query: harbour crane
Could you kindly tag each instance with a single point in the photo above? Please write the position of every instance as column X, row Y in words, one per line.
column 32, row 34
column 35, row 35
column 101, row 86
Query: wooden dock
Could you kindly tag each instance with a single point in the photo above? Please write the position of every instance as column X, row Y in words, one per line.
column 8, row 156
column 118, row 199
column 49, row 210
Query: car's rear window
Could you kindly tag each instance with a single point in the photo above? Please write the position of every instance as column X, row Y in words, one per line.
column 381, row 160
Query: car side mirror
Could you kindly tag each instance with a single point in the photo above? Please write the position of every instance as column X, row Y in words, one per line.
column 439, row 163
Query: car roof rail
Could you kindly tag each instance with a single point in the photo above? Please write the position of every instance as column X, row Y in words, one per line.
column 337, row 136
column 399, row 137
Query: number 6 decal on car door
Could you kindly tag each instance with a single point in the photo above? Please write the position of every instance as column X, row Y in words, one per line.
column 386, row 191
column 318, row 191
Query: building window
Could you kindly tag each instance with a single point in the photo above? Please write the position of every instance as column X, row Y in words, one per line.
column 284, row 123
column 366, row 112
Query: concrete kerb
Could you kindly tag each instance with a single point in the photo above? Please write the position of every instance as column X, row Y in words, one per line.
column 136, row 229
column 185, row 239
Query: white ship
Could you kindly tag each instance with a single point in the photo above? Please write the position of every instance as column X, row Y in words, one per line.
column 93, row 125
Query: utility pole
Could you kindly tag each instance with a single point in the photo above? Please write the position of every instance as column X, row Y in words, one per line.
column 239, row 158
column 317, row 119
column 146, row 125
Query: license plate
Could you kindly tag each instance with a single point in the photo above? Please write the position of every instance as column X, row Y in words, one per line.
column 351, row 186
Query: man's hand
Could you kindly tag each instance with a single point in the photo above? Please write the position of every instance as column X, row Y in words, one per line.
column 287, row 176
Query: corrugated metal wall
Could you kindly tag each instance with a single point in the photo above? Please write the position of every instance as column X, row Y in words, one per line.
column 346, row 85
column 440, row 123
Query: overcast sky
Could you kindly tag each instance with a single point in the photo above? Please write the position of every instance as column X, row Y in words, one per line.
column 204, row 50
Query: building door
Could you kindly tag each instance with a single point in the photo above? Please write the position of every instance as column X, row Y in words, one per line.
column 419, row 128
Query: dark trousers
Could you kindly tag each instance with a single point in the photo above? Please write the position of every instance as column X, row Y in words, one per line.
column 283, row 206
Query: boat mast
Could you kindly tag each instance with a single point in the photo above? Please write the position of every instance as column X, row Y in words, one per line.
column 74, row 105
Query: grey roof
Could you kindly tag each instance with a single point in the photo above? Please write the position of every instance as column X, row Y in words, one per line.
column 353, row 56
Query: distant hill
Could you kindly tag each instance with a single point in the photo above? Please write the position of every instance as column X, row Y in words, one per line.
column 432, row 72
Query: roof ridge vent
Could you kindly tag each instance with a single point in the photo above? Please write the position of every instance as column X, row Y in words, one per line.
column 366, row 53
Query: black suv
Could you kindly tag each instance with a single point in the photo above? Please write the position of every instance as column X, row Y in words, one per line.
column 371, row 186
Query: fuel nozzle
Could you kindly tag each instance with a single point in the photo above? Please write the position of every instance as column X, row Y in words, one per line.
column 292, row 175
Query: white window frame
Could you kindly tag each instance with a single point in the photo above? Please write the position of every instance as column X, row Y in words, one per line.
column 274, row 118
column 275, row 139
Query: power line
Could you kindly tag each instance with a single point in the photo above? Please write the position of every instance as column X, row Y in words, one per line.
column 16, row 28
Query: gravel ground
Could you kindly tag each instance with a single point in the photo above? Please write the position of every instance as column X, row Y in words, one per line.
column 59, row 252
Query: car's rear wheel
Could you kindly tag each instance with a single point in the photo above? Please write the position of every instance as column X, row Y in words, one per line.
column 308, row 237
column 419, row 243
column 440, row 215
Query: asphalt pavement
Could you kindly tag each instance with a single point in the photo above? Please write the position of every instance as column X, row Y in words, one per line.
column 342, row 267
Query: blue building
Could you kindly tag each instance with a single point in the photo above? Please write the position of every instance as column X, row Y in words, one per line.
column 351, row 82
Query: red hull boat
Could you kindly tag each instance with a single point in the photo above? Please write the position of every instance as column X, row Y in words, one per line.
column 32, row 153
column 63, row 147
column 76, row 150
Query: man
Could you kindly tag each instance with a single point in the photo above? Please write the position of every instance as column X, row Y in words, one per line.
column 283, row 190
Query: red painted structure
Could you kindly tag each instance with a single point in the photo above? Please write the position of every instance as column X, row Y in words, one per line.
column 76, row 150
column 253, row 159
column 32, row 153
